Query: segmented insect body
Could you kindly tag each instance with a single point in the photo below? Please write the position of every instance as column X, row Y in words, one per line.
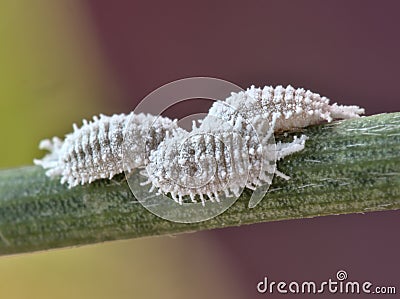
column 206, row 163
column 95, row 150
column 292, row 108
column 238, row 134
column 233, row 147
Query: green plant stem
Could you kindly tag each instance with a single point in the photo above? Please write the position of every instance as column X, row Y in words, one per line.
column 351, row 166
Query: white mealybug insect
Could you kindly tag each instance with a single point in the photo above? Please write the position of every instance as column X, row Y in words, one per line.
column 207, row 162
column 292, row 108
column 94, row 151
column 232, row 148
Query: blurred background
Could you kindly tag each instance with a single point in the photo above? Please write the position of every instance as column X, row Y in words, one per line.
column 61, row 61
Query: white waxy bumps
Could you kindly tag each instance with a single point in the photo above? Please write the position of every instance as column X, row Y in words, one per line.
column 95, row 150
column 293, row 108
column 233, row 147
column 236, row 134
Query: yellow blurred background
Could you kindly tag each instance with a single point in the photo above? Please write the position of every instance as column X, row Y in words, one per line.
column 52, row 74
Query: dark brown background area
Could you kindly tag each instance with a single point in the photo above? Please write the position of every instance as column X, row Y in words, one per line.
column 346, row 50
